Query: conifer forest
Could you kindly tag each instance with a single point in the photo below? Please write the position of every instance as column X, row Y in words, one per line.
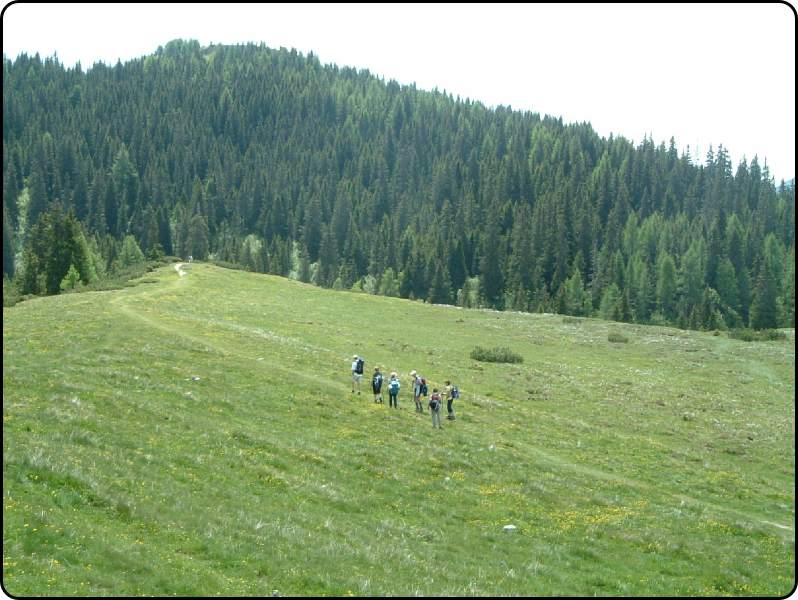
column 270, row 161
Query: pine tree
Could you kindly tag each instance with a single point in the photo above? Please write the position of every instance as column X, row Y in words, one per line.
column 691, row 280
column 313, row 230
column 38, row 200
column 130, row 253
column 71, row 279
column 610, row 303
column 787, row 300
column 574, row 294
column 490, row 274
column 726, row 285
column 640, row 290
column 389, row 284
column 764, row 314
column 440, row 290
column 198, row 244
column 328, row 259
column 8, row 245
column 304, row 264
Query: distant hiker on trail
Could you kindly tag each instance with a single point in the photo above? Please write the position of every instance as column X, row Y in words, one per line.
column 416, row 385
column 422, row 392
column 376, row 385
column 357, row 372
column 190, row 258
column 393, row 390
column 450, row 393
column 435, row 407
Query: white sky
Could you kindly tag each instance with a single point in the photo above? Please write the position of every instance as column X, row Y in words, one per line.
column 701, row 73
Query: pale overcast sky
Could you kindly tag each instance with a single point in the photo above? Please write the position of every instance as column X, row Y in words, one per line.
column 701, row 73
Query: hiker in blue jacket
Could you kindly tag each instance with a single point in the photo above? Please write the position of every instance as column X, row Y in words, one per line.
column 393, row 390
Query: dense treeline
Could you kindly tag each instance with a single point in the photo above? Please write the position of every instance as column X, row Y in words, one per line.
column 269, row 160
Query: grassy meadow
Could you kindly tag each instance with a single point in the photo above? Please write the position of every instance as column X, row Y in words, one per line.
column 197, row 435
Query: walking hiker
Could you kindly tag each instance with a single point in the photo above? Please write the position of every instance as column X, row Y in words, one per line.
column 422, row 389
column 416, row 384
column 357, row 372
column 451, row 393
column 393, row 391
column 435, row 407
column 376, row 385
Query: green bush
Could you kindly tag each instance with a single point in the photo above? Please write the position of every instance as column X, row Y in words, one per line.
column 497, row 355
column 752, row 335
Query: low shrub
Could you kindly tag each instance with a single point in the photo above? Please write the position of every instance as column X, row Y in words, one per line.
column 753, row 335
column 498, row 355
column 617, row 338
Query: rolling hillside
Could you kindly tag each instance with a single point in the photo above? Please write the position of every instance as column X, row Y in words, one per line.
column 197, row 435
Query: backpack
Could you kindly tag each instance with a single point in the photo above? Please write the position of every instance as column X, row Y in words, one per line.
column 435, row 401
column 423, row 388
column 377, row 381
column 359, row 366
column 394, row 386
column 455, row 393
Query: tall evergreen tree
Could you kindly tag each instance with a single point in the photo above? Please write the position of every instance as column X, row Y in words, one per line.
column 490, row 274
column 666, row 286
column 8, row 245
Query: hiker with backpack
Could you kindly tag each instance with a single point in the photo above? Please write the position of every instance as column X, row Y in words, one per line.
column 416, row 385
column 450, row 393
column 435, row 408
column 422, row 393
column 376, row 385
column 357, row 372
column 393, row 390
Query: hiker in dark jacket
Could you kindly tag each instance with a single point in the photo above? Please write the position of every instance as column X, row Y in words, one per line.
column 357, row 372
column 376, row 385
column 450, row 393
column 416, row 385
column 435, row 407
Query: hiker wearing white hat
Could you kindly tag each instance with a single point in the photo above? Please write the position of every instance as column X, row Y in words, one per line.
column 416, row 385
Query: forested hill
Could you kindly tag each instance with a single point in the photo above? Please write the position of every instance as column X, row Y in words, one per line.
column 270, row 160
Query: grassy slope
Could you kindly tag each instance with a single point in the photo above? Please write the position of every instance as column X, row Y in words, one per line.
column 662, row 466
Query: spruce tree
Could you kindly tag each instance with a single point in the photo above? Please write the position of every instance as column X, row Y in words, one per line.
column 764, row 313
column 440, row 288
column 8, row 245
column 666, row 286
column 490, row 273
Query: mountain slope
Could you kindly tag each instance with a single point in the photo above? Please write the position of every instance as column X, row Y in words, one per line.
column 270, row 160
column 197, row 435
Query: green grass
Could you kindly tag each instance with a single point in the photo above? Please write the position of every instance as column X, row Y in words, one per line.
column 661, row 466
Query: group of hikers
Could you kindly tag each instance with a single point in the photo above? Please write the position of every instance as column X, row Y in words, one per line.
column 449, row 394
